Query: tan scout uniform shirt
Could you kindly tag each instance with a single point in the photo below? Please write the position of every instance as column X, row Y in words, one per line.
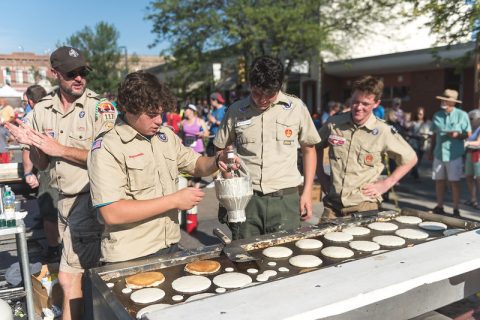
column 77, row 128
column 356, row 156
column 125, row 165
column 267, row 141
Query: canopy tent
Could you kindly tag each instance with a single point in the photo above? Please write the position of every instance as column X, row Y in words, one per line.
column 8, row 92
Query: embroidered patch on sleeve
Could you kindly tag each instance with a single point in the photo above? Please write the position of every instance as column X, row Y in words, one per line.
column 97, row 144
column 105, row 109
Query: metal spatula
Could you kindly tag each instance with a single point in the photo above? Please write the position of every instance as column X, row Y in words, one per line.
column 233, row 253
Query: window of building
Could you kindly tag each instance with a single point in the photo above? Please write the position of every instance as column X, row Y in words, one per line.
column 402, row 92
column 30, row 76
column 7, row 76
column 19, row 76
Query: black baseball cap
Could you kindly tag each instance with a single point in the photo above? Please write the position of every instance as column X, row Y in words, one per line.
column 66, row 59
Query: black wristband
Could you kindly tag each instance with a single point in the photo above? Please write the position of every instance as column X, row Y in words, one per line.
column 217, row 159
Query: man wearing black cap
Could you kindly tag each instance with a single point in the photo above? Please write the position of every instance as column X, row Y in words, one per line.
column 63, row 127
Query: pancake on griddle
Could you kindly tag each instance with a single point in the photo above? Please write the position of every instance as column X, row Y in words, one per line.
column 202, row 267
column 144, row 280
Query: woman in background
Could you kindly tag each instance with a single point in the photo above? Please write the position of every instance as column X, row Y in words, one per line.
column 419, row 136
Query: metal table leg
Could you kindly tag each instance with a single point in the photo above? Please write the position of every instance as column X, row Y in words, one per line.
column 25, row 265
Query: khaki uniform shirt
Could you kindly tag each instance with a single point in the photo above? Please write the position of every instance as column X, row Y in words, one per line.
column 125, row 165
column 76, row 128
column 267, row 141
column 356, row 154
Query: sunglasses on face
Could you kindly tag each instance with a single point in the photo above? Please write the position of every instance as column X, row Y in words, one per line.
column 75, row 73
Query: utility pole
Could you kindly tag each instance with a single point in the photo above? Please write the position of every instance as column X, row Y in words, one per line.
column 126, row 58
column 476, row 68
column 318, row 107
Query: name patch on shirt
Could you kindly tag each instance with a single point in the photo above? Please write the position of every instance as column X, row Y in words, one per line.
column 136, row 155
column 336, row 140
column 243, row 122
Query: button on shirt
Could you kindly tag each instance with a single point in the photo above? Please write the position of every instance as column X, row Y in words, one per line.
column 356, row 154
column 126, row 165
column 267, row 141
column 446, row 147
column 76, row 128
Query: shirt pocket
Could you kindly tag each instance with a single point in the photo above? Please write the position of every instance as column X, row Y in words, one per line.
column 369, row 157
column 172, row 166
column 80, row 140
column 140, row 177
column 337, row 153
column 287, row 132
column 245, row 133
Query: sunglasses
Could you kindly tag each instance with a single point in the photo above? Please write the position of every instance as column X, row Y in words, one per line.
column 75, row 73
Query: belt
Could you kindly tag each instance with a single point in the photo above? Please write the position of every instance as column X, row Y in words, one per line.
column 72, row 195
column 278, row 193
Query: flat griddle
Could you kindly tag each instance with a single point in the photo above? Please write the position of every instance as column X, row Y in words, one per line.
column 172, row 266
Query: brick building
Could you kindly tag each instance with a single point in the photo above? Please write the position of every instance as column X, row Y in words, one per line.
column 414, row 76
column 22, row 69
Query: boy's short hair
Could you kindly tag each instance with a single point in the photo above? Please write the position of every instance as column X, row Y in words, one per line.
column 142, row 92
column 266, row 73
column 370, row 85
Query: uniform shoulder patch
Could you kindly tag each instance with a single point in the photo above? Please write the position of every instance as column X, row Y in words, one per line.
column 162, row 136
column 97, row 144
column 106, row 109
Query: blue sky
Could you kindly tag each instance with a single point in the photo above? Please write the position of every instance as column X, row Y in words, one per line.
column 38, row 25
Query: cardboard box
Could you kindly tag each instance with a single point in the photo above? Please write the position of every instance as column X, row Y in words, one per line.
column 316, row 193
column 40, row 296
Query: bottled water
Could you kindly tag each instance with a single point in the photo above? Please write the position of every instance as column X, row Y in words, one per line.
column 9, row 206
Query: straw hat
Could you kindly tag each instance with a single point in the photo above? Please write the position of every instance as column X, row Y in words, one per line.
column 449, row 95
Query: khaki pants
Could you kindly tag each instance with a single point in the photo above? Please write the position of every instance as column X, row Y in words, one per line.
column 330, row 213
column 80, row 233
column 266, row 214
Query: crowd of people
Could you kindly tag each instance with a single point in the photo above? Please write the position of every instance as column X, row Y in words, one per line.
column 108, row 170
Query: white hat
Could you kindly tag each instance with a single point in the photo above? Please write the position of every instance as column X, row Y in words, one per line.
column 192, row 106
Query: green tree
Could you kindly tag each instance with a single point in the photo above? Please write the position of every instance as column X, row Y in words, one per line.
column 204, row 31
column 99, row 45
column 450, row 21
column 453, row 22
